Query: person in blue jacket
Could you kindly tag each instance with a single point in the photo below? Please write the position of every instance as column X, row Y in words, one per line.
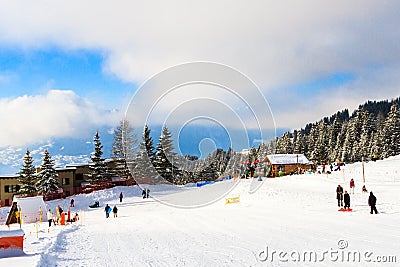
column 107, row 209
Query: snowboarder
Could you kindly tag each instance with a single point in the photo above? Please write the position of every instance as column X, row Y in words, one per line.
column 346, row 199
column 50, row 217
column 339, row 195
column 107, row 209
column 120, row 197
column 352, row 186
column 72, row 204
column 115, row 210
column 372, row 203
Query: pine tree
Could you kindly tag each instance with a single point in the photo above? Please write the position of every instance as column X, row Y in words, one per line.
column 165, row 158
column 47, row 177
column 355, row 132
column 208, row 168
column 146, row 159
column 301, row 143
column 334, row 131
column 391, row 132
column 284, row 144
column 124, row 149
column 341, row 138
column 98, row 170
column 27, row 176
column 367, row 129
column 311, row 140
column 320, row 152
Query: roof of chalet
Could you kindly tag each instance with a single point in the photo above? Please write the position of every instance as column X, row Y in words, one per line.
column 288, row 159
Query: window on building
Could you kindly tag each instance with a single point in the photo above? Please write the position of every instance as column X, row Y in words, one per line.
column 11, row 188
column 65, row 181
column 79, row 176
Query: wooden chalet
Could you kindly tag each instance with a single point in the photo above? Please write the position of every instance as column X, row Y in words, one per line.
column 285, row 164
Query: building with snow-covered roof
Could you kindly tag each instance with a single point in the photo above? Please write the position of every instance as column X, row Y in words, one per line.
column 285, row 164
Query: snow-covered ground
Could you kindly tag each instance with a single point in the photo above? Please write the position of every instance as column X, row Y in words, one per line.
column 284, row 220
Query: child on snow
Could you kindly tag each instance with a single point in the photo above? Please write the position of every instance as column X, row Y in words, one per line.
column 352, row 185
column 115, row 210
column 50, row 217
column 346, row 198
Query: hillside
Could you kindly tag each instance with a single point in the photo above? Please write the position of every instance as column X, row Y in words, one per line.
column 294, row 214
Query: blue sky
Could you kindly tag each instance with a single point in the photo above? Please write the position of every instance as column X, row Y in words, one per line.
column 76, row 65
column 32, row 72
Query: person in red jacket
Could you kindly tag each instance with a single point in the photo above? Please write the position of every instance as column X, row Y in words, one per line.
column 352, row 186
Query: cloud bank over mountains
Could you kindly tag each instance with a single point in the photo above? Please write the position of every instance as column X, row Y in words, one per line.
column 31, row 119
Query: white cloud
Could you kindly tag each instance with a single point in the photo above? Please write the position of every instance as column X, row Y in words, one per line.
column 275, row 43
column 30, row 119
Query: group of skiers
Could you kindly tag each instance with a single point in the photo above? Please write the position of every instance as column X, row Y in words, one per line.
column 346, row 197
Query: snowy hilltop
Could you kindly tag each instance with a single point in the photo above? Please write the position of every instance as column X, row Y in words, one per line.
column 291, row 220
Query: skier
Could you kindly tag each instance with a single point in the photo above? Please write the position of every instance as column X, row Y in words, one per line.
column 120, row 197
column 346, row 198
column 115, row 210
column 339, row 195
column 372, row 203
column 107, row 209
column 72, row 204
column 50, row 217
column 352, row 186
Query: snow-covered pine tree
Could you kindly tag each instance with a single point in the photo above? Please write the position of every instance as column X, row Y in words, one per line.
column 165, row 158
column 47, row 177
column 379, row 135
column 311, row 140
column 320, row 152
column 207, row 170
column 300, row 147
column 98, row 169
column 391, row 132
column 284, row 144
column 123, row 149
column 367, row 129
column 333, row 133
column 339, row 148
column 27, row 176
column 144, row 171
column 355, row 131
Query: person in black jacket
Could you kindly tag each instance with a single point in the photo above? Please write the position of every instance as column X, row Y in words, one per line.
column 372, row 203
column 115, row 210
column 339, row 195
column 346, row 199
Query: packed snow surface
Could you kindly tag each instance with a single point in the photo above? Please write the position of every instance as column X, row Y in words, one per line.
column 282, row 223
